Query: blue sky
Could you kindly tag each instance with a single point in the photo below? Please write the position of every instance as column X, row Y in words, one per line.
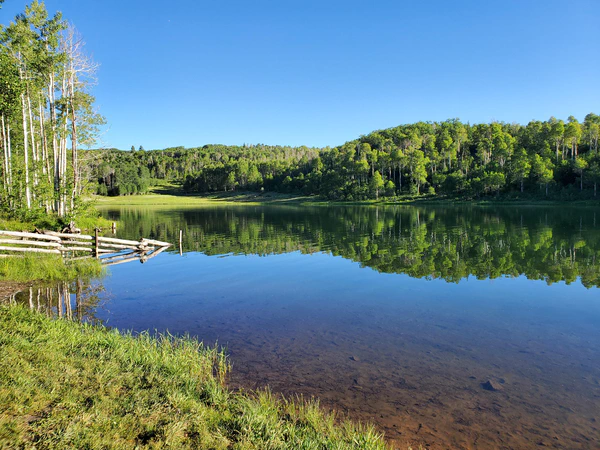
column 320, row 73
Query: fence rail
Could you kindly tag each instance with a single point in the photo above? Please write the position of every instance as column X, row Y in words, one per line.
column 109, row 250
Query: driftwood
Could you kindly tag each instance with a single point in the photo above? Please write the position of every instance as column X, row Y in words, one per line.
column 71, row 228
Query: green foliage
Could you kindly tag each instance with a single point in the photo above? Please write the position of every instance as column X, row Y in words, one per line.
column 375, row 185
column 46, row 113
column 85, row 217
column 122, row 177
column 68, row 385
column 453, row 158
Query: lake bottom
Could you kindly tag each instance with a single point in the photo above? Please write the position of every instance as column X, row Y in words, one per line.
column 505, row 363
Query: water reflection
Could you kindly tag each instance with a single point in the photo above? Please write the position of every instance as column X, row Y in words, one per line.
column 476, row 328
column 76, row 300
column 551, row 244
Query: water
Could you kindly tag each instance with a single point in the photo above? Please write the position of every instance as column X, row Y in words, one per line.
column 450, row 327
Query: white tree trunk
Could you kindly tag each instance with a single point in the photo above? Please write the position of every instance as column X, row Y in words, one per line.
column 26, row 151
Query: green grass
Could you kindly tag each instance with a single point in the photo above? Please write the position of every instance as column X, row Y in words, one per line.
column 86, row 223
column 70, row 385
column 24, row 267
column 232, row 198
column 30, row 267
column 177, row 198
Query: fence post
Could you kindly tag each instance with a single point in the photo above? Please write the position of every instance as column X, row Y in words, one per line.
column 96, row 244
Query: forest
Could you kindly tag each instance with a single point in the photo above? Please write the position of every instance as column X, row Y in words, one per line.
column 46, row 114
column 450, row 158
column 47, row 117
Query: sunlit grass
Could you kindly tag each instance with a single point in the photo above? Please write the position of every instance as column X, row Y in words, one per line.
column 68, row 385
column 30, row 267
column 23, row 267
column 233, row 198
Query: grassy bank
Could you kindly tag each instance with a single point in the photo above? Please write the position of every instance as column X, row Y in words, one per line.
column 177, row 198
column 246, row 198
column 31, row 267
column 68, row 385
column 25, row 267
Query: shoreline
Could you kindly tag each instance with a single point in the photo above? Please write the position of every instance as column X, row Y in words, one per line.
column 270, row 198
column 75, row 380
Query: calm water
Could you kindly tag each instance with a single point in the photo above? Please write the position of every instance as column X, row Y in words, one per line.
column 449, row 327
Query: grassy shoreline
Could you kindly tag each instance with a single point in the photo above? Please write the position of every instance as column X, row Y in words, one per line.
column 29, row 267
column 70, row 385
column 36, row 267
column 258, row 198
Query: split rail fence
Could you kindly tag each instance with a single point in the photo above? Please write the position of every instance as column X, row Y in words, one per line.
column 74, row 246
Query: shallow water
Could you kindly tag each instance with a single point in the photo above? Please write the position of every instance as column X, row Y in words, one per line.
column 448, row 327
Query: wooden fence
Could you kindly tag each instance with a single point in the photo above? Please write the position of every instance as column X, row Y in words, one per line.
column 72, row 246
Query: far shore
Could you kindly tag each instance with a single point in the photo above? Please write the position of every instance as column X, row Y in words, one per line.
column 177, row 198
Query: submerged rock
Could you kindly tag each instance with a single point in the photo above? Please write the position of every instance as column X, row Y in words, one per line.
column 491, row 385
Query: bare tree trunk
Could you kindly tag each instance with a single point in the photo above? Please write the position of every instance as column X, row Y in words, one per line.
column 400, row 176
column 34, row 151
column 55, row 156
column 75, row 161
column 26, row 150
column 10, row 178
column 6, row 162
column 45, row 157
column 63, row 152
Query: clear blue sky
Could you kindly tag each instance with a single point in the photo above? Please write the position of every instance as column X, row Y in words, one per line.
column 324, row 72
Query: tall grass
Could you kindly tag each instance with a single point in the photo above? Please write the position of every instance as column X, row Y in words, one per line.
column 86, row 222
column 30, row 267
column 70, row 385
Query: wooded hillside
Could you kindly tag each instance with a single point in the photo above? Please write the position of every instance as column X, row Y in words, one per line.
column 450, row 157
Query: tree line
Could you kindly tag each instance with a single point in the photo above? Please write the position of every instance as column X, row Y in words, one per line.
column 46, row 113
column 451, row 158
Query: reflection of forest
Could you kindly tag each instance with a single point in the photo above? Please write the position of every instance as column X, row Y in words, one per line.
column 553, row 244
column 76, row 300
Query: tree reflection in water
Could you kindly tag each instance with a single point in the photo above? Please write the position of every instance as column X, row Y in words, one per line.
column 75, row 300
column 543, row 243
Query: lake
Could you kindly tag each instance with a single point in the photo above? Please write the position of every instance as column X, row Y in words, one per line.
column 452, row 327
